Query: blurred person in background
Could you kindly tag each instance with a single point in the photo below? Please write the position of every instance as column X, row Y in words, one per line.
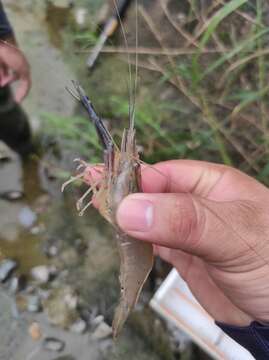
column 14, row 126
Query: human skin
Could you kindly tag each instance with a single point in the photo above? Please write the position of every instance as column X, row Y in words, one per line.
column 14, row 67
column 211, row 222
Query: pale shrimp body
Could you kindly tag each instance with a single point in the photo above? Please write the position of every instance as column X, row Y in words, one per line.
column 120, row 177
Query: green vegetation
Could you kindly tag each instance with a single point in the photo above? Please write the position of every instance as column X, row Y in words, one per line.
column 76, row 133
column 203, row 96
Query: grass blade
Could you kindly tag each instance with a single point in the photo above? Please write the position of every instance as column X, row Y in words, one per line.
column 254, row 96
column 218, row 17
column 248, row 42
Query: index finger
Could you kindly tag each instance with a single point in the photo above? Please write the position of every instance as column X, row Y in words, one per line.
column 216, row 182
column 172, row 176
column 184, row 176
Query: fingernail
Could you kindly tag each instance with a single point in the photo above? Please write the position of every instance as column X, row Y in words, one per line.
column 135, row 215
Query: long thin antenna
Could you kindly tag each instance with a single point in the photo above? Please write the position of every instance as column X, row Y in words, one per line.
column 136, row 68
column 104, row 135
column 129, row 59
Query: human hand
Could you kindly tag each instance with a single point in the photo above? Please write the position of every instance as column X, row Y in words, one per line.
column 211, row 222
column 13, row 67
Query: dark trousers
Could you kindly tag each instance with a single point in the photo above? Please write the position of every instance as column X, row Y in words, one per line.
column 14, row 127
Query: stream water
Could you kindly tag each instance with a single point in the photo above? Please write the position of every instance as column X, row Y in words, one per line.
column 49, row 74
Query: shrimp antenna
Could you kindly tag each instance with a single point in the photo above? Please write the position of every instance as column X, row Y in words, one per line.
column 132, row 119
column 104, row 135
column 128, row 57
column 72, row 93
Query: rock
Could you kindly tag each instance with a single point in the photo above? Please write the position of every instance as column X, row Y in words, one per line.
column 60, row 307
column 53, row 344
column 35, row 331
column 102, row 331
column 27, row 217
column 52, row 251
column 17, row 284
column 71, row 300
column 12, row 195
column 6, row 268
column 34, row 304
column 41, row 274
column 79, row 327
column 97, row 320
column 36, row 230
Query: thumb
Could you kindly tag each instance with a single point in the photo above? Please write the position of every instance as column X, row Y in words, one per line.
column 179, row 221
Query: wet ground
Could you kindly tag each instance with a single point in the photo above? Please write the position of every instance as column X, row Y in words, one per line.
column 20, row 224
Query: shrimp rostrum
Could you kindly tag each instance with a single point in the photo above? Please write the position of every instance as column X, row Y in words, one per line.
column 120, row 177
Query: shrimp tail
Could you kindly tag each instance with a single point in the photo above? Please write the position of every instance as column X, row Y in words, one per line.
column 132, row 276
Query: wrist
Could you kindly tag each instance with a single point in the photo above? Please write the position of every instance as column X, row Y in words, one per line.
column 5, row 27
column 254, row 337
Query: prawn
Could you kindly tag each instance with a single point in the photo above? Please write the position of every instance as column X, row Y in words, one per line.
column 120, row 177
